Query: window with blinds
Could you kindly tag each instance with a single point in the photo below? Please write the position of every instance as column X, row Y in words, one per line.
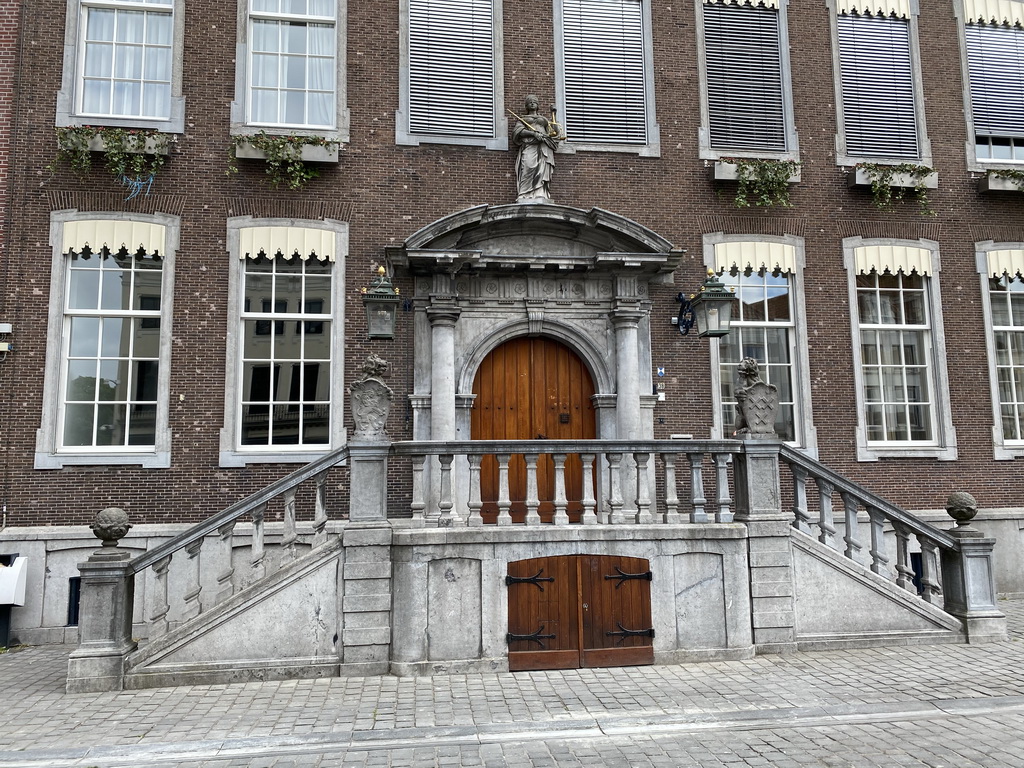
column 995, row 63
column 451, row 67
column 877, row 82
column 743, row 60
column 604, row 71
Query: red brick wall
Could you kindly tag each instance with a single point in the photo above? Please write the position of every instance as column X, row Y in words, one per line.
column 394, row 190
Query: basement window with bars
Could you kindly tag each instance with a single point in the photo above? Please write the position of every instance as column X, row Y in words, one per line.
column 995, row 63
column 452, row 81
column 878, row 85
column 604, row 74
column 746, row 75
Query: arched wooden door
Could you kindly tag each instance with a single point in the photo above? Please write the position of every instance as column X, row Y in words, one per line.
column 532, row 389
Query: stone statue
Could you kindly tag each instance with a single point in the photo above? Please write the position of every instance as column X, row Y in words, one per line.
column 756, row 402
column 537, row 139
column 371, row 400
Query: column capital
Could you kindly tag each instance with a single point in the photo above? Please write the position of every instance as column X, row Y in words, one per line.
column 445, row 315
column 626, row 317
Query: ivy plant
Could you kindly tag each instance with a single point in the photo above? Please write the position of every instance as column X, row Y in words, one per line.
column 131, row 156
column 1013, row 175
column 762, row 182
column 883, row 194
column 283, row 157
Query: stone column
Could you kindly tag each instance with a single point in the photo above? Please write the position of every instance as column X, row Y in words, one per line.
column 105, row 615
column 759, row 506
column 625, row 320
column 442, row 370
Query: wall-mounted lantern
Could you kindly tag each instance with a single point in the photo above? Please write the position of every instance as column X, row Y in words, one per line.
column 381, row 302
column 710, row 309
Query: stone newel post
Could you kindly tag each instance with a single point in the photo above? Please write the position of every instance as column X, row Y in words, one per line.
column 368, row 449
column 968, row 582
column 105, row 617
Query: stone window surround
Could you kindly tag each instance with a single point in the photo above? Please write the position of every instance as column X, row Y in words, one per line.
column 231, row 454
column 404, row 137
column 239, row 123
column 845, row 160
column 944, row 447
column 66, row 116
column 48, row 455
column 653, row 146
column 704, row 131
column 808, row 440
column 1001, row 450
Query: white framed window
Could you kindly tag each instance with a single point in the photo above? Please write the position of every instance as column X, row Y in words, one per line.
column 451, row 86
column 285, row 349
column 107, row 369
column 122, row 65
column 993, row 48
column 604, row 75
column 746, row 95
column 899, row 350
column 879, row 96
column 292, row 75
column 769, row 325
column 1001, row 269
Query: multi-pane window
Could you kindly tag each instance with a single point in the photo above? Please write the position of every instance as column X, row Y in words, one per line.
column 126, row 58
column 111, row 351
column 877, row 86
column 451, row 76
column 895, row 347
column 286, row 354
column 1007, row 301
column 743, row 61
column 995, row 63
column 763, row 329
column 604, row 79
column 292, row 65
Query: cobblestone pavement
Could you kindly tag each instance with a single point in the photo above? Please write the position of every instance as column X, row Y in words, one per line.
column 943, row 705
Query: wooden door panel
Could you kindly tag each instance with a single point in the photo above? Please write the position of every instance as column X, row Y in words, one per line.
column 542, row 607
column 617, row 594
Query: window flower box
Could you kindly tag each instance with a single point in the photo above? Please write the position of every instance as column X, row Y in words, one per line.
column 994, row 181
column 311, row 153
column 861, row 177
column 726, row 171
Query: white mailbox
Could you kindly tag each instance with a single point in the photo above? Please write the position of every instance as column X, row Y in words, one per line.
column 12, row 582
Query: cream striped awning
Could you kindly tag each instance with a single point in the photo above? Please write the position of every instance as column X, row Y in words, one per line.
column 286, row 242
column 994, row 12
column 113, row 234
column 894, row 258
column 899, row 8
column 756, row 255
column 1006, row 262
column 755, row 3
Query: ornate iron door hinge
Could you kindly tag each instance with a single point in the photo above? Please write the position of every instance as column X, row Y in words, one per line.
column 645, row 576
column 536, row 637
column 535, row 580
column 623, row 633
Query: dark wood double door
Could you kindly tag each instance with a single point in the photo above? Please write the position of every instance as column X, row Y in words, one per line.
column 576, row 611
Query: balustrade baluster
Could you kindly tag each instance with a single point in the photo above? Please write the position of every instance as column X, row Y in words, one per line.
column 931, row 588
column 193, row 605
column 474, row 490
column 561, row 506
column 672, row 515
column 853, row 545
column 158, row 618
column 225, row 587
column 904, row 573
column 504, row 502
column 643, row 489
column 532, row 494
column 826, row 520
column 724, row 514
column 801, row 517
column 419, row 502
column 589, row 516
column 615, row 516
column 446, row 517
column 879, row 562
column 697, row 500
column 257, row 566
column 290, row 535
column 320, row 512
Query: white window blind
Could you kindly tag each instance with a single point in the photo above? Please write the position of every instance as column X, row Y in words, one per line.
column 603, row 50
column 995, row 60
column 877, row 77
column 744, row 78
column 451, row 67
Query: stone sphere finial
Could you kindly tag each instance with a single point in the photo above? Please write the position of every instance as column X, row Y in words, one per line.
column 962, row 507
column 111, row 525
